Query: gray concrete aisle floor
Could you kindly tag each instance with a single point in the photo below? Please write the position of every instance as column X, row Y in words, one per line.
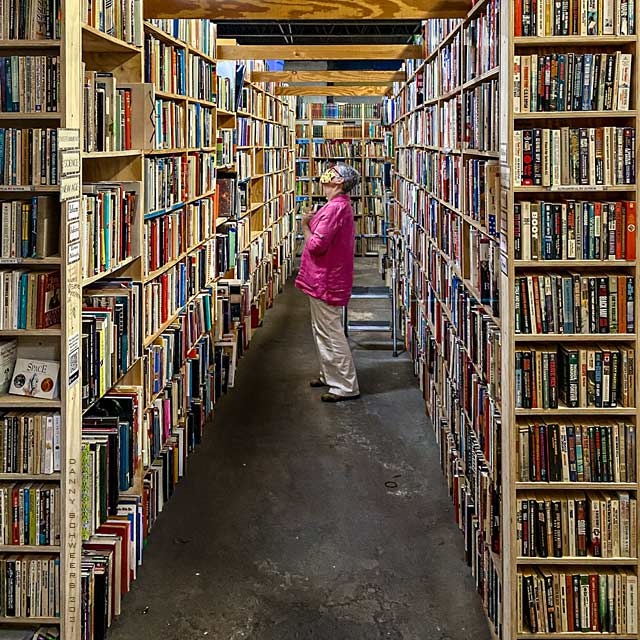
column 283, row 528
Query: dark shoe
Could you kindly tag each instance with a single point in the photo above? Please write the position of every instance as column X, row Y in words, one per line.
column 317, row 383
column 332, row 397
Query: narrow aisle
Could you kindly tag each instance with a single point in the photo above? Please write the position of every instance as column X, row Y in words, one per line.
column 284, row 529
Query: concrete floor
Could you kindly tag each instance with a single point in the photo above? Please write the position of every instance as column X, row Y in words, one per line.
column 283, row 528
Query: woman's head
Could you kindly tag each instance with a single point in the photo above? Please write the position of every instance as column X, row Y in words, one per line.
column 341, row 178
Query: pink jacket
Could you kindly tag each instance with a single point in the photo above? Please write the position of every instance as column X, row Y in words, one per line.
column 326, row 268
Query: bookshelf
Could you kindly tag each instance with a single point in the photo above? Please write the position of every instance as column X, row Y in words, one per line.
column 352, row 133
column 489, row 198
column 111, row 237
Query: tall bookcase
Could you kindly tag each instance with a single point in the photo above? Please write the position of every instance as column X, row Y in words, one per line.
column 540, row 462
column 350, row 133
column 115, row 209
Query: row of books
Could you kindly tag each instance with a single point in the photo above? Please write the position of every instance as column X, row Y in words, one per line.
column 111, row 338
column 337, row 131
column 603, row 452
column 322, row 111
column 30, row 299
column 107, row 113
column 575, row 230
column 30, row 442
column 574, row 304
column 337, row 149
column 575, row 18
column 30, row 586
column 28, row 157
column 601, row 377
column 587, row 156
column 481, row 117
column 572, row 82
column 29, row 228
column 481, row 42
column 109, row 213
column 201, row 78
column 169, row 236
column 200, row 126
column 450, row 67
column 225, row 147
column 30, row 514
column 549, row 601
column 170, row 125
column 170, row 292
column 597, row 525
column 200, row 34
column 29, row 84
column 122, row 20
column 28, row 20
column 165, row 66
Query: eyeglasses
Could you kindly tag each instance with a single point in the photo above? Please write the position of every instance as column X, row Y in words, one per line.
column 329, row 175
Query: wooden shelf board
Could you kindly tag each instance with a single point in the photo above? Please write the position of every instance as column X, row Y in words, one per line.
column 26, row 402
column 103, row 155
column 174, row 262
column 203, row 102
column 29, row 188
column 38, row 115
column 576, row 486
column 167, row 95
column 572, row 115
column 31, row 477
column 163, row 35
column 105, row 274
column 49, row 332
column 30, row 44
column 578, row 411
column 37, row 262
column 9, row 620
column 96, row 41
column 555, row 264
column 577, row 337
column 487, row 75
column 575, row 188
column 17, row 549
column 578, row 561
column 591, row 41
column 167, row 152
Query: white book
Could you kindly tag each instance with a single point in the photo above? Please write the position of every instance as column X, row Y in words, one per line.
column 8, row 354
column 555, row 157
column 36, row 378
column 632, row 604
column 624, row 83
column 546, row 158
column 525, row 215
column 517, row 88
column 57, row 442
column 608, row 17
column 517, row 158
column 533, row 83
column 608, row 157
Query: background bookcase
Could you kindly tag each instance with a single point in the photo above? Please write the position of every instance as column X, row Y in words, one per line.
column 163, row 278
column 459, row 211
column 352, row 133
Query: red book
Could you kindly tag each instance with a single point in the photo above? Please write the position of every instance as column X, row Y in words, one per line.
column 15, row 502
column 517, row 13
column 569, row 586
column 127, row 119
column 630, row 233
column 593, row 602
column 620, row 232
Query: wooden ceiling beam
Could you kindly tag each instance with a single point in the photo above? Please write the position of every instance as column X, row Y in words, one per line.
column 352, row 77
column 333, row 91
column 284, row 10
column 320, row 52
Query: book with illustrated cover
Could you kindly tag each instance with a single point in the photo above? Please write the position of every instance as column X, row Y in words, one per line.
column 36, row 378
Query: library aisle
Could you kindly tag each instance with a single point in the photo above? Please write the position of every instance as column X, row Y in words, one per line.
column 283, row 528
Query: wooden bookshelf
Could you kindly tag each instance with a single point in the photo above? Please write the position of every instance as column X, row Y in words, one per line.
column 368, row 199
column 442, row 240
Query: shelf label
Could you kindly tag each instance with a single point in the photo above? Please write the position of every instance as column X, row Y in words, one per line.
column 69, row 163
column 73, row 230
column 74, row 359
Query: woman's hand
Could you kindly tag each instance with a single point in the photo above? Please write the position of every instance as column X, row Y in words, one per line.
column 306, row 219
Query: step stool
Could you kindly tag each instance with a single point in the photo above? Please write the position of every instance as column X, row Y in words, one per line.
column 373, row 293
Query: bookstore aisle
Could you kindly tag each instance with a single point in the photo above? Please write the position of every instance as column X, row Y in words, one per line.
column 284, row 528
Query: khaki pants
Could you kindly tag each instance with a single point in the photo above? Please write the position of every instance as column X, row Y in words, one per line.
column 336, row 362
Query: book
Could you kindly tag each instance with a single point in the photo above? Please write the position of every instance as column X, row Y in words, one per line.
column 36, row 378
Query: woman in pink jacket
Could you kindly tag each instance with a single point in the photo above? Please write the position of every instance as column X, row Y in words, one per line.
column 326, row 276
